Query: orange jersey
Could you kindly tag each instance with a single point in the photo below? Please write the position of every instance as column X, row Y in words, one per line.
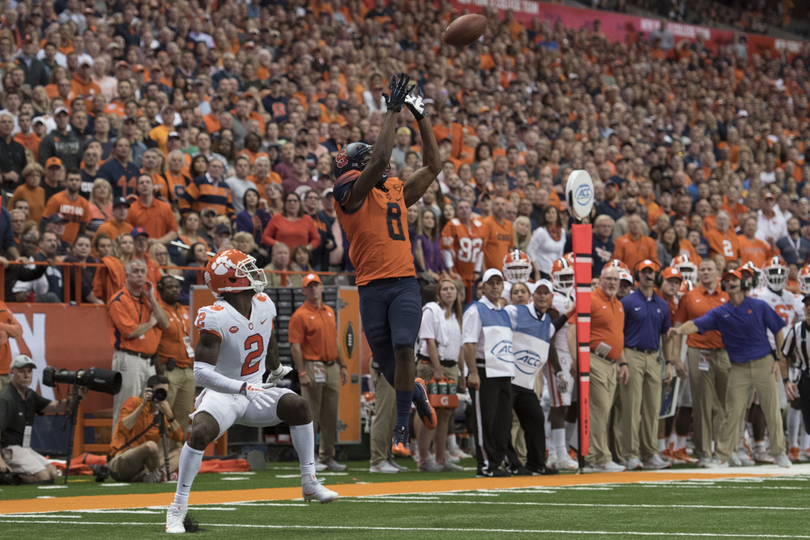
column 76, row 212
column 725, row 243
column 631, row 252
column 29, row 142
column 379, row 245
column 497, row 241
column 755, row 251
column 466, row 244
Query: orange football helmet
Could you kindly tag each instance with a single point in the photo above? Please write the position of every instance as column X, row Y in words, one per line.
column 687, row 268
column 620, row 265
column 804, row 279
column 517, row 267
column 562, row 274
column 234, row 271
column 775, row 273
column 685, row 287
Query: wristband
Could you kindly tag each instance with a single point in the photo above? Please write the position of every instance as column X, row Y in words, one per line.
column 622, row 364
column 170, row 420
column 243, row 390
column 786, row 379
column 343, row 367
column 668, row 363
column 278, row 371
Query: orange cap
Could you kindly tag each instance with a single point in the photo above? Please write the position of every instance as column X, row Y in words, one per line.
column 671, row 273
column 53, row 162
column 311, row 278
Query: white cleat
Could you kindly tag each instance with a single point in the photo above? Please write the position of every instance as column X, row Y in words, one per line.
column 656, row 463
column 565, row 463
column 175, row 516
column 782, row 460
column 315, row 491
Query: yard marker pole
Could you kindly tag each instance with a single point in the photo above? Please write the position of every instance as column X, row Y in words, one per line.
column 582, row 237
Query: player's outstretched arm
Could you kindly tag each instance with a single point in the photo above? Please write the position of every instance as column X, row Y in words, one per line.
column 205, row 358
column 381, row 155
column 421, row 179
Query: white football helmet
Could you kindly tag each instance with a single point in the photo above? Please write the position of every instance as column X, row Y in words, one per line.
column 775, row 273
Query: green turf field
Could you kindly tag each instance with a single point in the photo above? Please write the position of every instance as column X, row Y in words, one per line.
column 758, row 507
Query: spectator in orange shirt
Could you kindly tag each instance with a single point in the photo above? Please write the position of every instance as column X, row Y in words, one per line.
column 27, row 137
column 73, row 206
column 497, row 234
column 445, row 128
column 117, row 224
column 154, row 215
column 722, row 239
column 752, row 249
column 31, row 191
column 329, row 111
column 634, row 246
column 136, row 321
column 82, row 84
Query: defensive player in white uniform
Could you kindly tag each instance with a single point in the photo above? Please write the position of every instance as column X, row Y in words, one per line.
column 558, row 387
column 235, row 335
column 790, row 307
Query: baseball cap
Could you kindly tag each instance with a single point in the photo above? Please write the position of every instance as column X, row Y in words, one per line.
column 121, row 201
column 612, row 183
column 138, row 231
column 671, row 273
column 732, row 273
column 61, row 110
column 38, row 120
column 87, row 61
column 768, row 196
column 646, row 263
column 207, row 210
column 625, row 276
column 121, row 64
column 53, row 162
column 173, row 134
column 222, row 229
column 327, row 191
column 22, row 361
column 544, row 282
column 403, row 131
column 57, row 218
column 311, row 278
column 489, row 274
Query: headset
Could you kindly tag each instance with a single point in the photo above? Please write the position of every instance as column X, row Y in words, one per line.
column 657, row 279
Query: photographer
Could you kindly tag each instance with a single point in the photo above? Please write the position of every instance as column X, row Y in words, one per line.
column 175, row 352
column 18, row 405
column 136, row 452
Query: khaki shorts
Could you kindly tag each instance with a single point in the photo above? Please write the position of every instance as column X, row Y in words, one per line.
column 425, row 372
column 23, row 460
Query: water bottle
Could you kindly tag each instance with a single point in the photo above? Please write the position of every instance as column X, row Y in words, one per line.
column 451, row 387
column 442, row 387
column 432, row 387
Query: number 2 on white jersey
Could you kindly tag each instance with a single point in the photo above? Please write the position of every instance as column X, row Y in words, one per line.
column 255, row 347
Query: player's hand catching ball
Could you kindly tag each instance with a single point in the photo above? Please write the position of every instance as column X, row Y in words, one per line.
column 415, row 105
column 399, row 92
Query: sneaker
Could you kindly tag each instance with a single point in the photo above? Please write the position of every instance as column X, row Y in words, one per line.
column 449, row 466
column 383, row 467
column 315, row 491
column 745, row 459
column 451, row 459
column 153, row 477
column 399, row 444
column 429, row 466
column 633, row 464
column 520, row 470
column 566, row 462
column 669, row 454
column 656, row 463
column 397, row 466
column 492, row 473
column 458, row 453
column 175, row 516
column 763, row 457
column 782, row 460
column 320, row 467
column 793, row 454
column 717, row 464
column 420, row 398
column 611, row 466
column 545, row 470
column 705, row 463
column 682, row 456
column 734, row 460
column 804, row 456
column 333, row 465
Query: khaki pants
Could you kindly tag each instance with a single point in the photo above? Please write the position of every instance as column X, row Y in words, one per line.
column 134, row 373
column 130, row 465
column 323, row 401
column 756, row 374
column 641, row 396
column 602, row 390
column 385, row 416
column 708, row 396
column 4, row 381
column 181, row 395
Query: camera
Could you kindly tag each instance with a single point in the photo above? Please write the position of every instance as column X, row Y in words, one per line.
column 100, row 380
column 159, row 394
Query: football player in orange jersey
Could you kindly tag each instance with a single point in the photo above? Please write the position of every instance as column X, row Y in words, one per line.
column 371, row 207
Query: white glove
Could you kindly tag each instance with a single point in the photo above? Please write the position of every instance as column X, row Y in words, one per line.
column 564, row 381
column 257, row 396
column 415, row 105
column 279, row 373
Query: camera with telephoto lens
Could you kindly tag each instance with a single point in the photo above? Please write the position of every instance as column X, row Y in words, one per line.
column 159, row 394
column 100, row 380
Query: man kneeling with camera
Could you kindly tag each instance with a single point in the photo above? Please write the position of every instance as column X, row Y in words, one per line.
column 137, row 452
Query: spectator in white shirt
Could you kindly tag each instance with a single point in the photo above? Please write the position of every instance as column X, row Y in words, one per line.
column 771, row 225
column 548, row 242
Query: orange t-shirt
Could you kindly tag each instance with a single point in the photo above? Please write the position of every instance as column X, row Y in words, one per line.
column 686, row 246
column 82, row 88
column 34, row 196
column 755, row 251
column 725, row 243
column 76, row 212
column 497, row 241
column 10, row 328
column 631, row 252
column 466, row 243
column 29, row 142
column 171, row 339
column 697, row 303
column 111, row 228
column 316, row 331
column 157, row 219
column 379, row 245
column 455, row 134
column 607, row 323
column 122, row 435
column 126, row 313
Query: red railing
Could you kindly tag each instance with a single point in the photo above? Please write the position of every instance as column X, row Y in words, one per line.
column 77, row 284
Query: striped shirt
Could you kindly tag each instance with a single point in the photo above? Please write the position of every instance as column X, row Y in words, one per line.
column 203, row 192
column 796, row 346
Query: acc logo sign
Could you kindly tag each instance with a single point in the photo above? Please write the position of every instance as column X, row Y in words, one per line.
column 527, row 361
column 583, row 195
column 503, row 350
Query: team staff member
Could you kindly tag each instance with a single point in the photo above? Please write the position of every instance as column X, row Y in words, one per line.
column 321, row 371
column 175, row 352
column 795, row 348
column 486, row 337
column 743, row 323
column 382, row 423
column 137, row 320
column 9, row 328
column 707, row 359
column 136, row 452
column 646, row 319
column 607, row 364
column 18, row 405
